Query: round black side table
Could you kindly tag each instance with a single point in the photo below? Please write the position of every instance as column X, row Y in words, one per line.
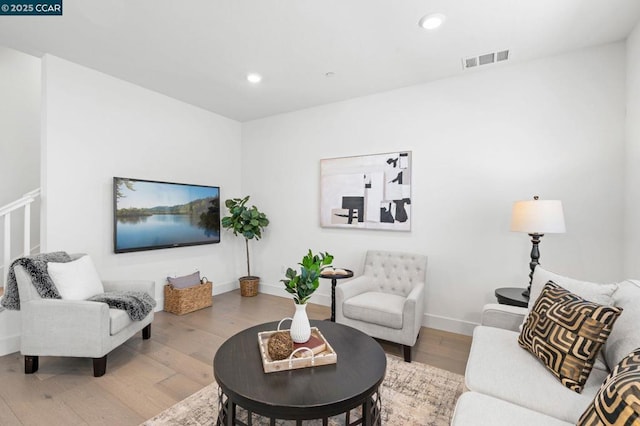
column 512, row 296
column 334, row 281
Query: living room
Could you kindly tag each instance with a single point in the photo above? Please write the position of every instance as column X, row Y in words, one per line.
column 562, row 126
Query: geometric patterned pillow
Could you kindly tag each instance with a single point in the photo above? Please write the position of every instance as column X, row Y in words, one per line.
column 618, row 400
column 565, row 332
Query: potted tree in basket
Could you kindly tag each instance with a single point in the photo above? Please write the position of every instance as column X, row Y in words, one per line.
column 302, row 286
column 248, row 222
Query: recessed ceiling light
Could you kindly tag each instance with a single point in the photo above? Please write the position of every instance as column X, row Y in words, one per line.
column 254, row 78
column 432, row 21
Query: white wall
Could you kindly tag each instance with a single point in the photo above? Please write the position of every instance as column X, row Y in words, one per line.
column 19, row 141
column 97, row 127
column 19, row 163
column 632, row 181
column 553, row 127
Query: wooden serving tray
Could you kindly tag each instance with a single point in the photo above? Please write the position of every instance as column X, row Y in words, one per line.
column 307, row 358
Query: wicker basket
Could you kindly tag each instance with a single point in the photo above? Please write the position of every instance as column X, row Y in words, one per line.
column 249, row 286
column 181, row 301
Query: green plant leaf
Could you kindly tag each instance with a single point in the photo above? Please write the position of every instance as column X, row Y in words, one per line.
column 241, row 220
column 304, row 283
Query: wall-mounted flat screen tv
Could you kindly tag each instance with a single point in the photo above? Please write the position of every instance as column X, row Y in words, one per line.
column 152, row 215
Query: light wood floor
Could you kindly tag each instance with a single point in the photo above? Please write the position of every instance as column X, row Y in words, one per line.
column 145, row 377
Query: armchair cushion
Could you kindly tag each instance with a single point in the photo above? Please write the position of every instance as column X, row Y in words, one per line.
column 376, row 308
column 76, row 280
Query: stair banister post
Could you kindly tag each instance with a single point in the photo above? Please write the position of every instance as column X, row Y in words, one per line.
column 27, row 229
column 7, row 243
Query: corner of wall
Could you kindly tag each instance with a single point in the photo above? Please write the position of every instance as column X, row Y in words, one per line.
column 631, row 225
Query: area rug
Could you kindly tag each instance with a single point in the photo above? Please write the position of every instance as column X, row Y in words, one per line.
column 412, row 394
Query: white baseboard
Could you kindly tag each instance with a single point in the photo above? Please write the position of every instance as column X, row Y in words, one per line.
column 452, row 325
column 225, row 288
column 9, row 344
column 438, row 322
column 278, row 290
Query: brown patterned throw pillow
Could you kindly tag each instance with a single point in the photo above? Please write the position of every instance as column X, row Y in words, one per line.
column 618, row 400
column 565, row 332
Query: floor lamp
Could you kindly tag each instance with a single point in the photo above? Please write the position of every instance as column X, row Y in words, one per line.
column 537, row 217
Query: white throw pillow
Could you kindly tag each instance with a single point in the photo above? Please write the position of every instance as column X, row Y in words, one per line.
column 601, row 294
column 77, row 280
column 593, row 292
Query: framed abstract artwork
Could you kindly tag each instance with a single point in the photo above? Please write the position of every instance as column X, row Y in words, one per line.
column 366, row 192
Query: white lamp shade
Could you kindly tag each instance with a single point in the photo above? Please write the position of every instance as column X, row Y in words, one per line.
column 538, row 217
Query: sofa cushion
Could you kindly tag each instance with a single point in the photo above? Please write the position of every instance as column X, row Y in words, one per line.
column 118, row 320
column 618, row 401
column 76, row 280
column 500, row 368
column 566, row 332
column 593, row 292
column 625, row 336
column 377, row 308
column 476, row 409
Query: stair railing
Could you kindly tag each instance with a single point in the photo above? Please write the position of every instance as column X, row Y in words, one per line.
column 5, row 213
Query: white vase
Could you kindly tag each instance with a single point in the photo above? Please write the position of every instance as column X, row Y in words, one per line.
column 300, row 327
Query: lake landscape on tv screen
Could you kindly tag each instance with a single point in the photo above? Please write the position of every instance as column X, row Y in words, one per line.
column 151, row 215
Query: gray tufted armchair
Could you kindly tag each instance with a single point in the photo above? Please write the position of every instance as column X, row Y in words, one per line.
column 387, row 301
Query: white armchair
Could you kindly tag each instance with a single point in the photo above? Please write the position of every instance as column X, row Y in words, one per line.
column 77, row 328
column 387, row 301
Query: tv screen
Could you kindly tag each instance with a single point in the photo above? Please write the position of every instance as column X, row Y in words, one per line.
column 152, row 215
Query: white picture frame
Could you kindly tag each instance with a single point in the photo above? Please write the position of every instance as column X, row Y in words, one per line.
column 366, row 191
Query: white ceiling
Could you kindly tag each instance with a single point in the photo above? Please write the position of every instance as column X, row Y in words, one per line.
column 199, row 51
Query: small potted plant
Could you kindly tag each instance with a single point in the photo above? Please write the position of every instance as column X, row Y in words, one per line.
column 248, row 222
column 302, row 286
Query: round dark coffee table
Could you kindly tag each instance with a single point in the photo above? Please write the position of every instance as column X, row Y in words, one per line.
column 308, row 393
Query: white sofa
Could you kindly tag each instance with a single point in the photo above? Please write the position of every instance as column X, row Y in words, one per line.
column 508, row 386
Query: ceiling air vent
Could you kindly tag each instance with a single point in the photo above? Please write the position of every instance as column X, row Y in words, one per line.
column 503, row 55
column 488, row 58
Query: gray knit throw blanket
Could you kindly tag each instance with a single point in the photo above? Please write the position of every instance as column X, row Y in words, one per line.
column 36, row 267
column 138, row 304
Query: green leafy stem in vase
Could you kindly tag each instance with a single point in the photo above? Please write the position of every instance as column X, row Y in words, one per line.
column 304, row 284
